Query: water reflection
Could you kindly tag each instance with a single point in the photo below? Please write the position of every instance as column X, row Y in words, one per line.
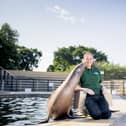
column 22, row 111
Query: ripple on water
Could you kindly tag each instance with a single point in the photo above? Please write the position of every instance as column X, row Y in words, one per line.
column 22, row 111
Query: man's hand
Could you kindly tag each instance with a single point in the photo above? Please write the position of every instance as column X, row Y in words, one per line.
column 89, row 91
column 104, row 90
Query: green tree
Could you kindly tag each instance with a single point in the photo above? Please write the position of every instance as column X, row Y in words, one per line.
column 8, row 40
column 112, row 71
column 28, row 58
column 13, row 56
column 64, row 58
column 51, row 68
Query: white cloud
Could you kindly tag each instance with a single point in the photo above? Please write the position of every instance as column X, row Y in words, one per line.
column 82, row 20
column 66, row 15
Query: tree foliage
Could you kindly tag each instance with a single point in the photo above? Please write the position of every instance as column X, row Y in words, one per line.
column 112, row 71
column 13, row 56
column 8, row 51
column 64, row 58
column 28, row 58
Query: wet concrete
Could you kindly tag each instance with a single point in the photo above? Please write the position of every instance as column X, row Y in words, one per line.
column 117, row 119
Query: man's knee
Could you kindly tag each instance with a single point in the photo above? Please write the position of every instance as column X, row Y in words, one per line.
column 96, row 116
column 106, row 115
column 99, row 115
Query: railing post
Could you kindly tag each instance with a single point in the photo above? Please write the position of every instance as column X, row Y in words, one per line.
column 37, row 85
column 111, row 86
column 76, row 99
column 48, row 85
column 11, row 83
column 0, row 79
column 123, row 87
column 0, row 73
column 16, row 85
column 33, row 85
column 2, row 85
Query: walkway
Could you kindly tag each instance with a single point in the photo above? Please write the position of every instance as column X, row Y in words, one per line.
column 117, row 119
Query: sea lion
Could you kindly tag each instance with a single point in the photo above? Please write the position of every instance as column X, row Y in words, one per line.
column 60, row 102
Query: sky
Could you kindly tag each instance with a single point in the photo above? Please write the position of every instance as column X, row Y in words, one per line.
column 51, row 24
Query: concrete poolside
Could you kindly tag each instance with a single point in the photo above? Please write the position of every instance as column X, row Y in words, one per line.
column 44, row 94
column 117, row 119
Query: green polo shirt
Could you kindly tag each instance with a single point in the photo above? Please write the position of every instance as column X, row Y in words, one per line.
column 91, row 78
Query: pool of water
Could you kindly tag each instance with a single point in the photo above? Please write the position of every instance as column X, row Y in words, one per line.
column 22, row 111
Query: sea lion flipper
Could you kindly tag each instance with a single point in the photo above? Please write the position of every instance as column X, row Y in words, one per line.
column 70, row 114
column 114, row 111
column 45, row 120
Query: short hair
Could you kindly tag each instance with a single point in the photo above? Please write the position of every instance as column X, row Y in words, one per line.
column 88, row 53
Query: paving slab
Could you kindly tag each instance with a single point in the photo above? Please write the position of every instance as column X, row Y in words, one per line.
column 117, row 119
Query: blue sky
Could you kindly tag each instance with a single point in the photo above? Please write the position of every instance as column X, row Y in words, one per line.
column 51, row 24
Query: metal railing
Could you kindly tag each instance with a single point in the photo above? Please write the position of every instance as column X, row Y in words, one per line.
column 10, row 83
column 31, row 85
column 116, row 86
column 44, row 85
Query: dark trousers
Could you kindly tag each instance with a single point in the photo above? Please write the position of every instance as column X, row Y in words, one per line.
column 97, row 107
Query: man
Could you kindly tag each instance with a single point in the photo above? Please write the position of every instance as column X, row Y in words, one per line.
column 90, row 82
